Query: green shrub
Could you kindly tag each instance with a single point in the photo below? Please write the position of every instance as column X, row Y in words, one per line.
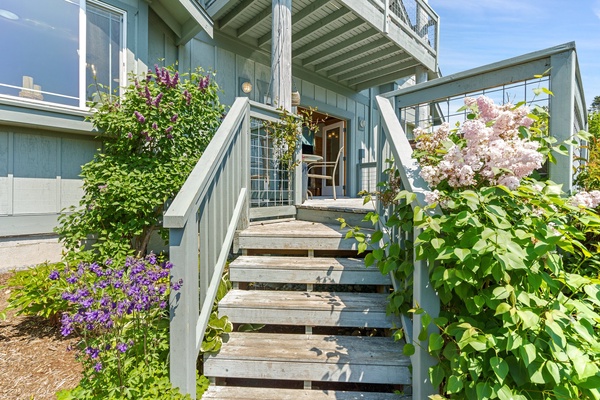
column 152, row 138
column 32, row 293
column 514, row 269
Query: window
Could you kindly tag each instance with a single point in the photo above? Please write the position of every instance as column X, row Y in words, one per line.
column 61, row 51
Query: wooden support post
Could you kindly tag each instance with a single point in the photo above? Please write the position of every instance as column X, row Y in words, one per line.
column 424, row 296
column 184, row 307
column 562, row 106
column 281, row 54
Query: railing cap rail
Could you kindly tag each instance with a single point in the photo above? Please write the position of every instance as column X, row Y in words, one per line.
column 526, row 58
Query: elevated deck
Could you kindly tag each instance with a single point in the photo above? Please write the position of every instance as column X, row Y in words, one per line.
column 356, row 43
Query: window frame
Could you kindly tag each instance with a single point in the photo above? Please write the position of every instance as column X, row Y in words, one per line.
column 83, row 14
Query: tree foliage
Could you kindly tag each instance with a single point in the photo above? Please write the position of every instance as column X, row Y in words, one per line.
column 151, row 139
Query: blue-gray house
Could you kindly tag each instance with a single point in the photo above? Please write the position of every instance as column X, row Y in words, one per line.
column 370, row 67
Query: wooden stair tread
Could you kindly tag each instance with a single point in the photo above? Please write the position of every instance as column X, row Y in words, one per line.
column 310, row 358
column 252, row 393
column 294, row 228
column 318, row 263
column 294, row 300
column 300, row 348
column 307, row 308
column 315, row 270
column 294, row 235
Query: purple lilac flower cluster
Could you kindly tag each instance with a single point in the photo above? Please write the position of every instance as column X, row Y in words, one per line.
column 104, row 295
column 163, row 76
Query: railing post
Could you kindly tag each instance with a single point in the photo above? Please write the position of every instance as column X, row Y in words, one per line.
column 562, row 108
column 425, row 297
column 183, row 250
column 298, row 186
column 244, row 146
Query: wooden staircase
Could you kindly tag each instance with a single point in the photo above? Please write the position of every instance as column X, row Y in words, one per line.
column 325, row 333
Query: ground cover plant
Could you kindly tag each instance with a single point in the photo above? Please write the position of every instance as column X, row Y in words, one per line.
column 120, row 314
column 510, row 257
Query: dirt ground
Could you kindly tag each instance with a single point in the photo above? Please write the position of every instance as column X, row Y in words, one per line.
column 34, row 361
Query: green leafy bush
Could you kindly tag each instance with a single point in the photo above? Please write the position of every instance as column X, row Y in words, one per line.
column 515, row 270
column 588, row 172
column 152, row 138
column 32, row 293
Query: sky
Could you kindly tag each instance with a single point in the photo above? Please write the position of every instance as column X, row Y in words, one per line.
column 479, row 32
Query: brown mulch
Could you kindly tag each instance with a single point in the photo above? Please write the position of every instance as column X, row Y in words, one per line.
column 34, row 361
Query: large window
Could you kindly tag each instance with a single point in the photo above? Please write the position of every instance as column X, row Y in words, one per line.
column 61, row 51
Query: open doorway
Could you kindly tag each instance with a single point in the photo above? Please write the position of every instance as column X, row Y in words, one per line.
column 327, row 142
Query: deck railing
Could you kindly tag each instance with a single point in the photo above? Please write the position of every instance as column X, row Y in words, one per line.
column 213, row 203
column 414, row 17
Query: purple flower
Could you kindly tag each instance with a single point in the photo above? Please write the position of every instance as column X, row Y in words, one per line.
column 98, row 367
column 156, row 101
column 174, row 117
column 203, row 84
column 129, row 135
column 139, row 117
column 122, row 347
column 148, row 96
column 92, row 352
column 177, row 285
column 54, row 275
column 72, row 279
column 154, row 125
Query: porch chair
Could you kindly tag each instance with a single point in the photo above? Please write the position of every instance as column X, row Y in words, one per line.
column 321, row 164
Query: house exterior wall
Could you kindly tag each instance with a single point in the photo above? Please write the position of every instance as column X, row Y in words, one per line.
column 43, row 146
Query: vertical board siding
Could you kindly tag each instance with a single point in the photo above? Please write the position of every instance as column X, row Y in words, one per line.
column 5, row 181
column 226, row 77
column 39, row 173
column 161, row 42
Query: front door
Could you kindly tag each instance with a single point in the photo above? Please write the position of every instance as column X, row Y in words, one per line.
column 333, row 141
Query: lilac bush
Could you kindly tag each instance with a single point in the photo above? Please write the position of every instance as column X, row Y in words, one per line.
column 120, row 313
column 152, row 137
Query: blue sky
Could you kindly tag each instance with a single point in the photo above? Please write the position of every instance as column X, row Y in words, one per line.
column 478, row 32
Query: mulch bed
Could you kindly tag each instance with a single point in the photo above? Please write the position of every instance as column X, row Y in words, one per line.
column 34, row 361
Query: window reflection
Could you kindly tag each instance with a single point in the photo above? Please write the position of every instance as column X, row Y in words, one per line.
column 41, row 50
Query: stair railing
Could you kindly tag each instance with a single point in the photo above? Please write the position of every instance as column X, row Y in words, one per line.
column 212, row 204
column 394, row 141
column 202, row 220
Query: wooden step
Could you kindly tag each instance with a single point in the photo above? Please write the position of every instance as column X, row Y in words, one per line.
column 294, row 235
column 329, row 214
column 331, row 358
column 305, row 270
column 307, row 308
column 251, row 393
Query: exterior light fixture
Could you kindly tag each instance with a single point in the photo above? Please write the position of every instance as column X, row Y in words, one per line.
column 246, row 87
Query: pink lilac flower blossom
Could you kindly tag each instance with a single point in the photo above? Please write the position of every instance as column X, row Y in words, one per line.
column 586, row 199
column 487, row 149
